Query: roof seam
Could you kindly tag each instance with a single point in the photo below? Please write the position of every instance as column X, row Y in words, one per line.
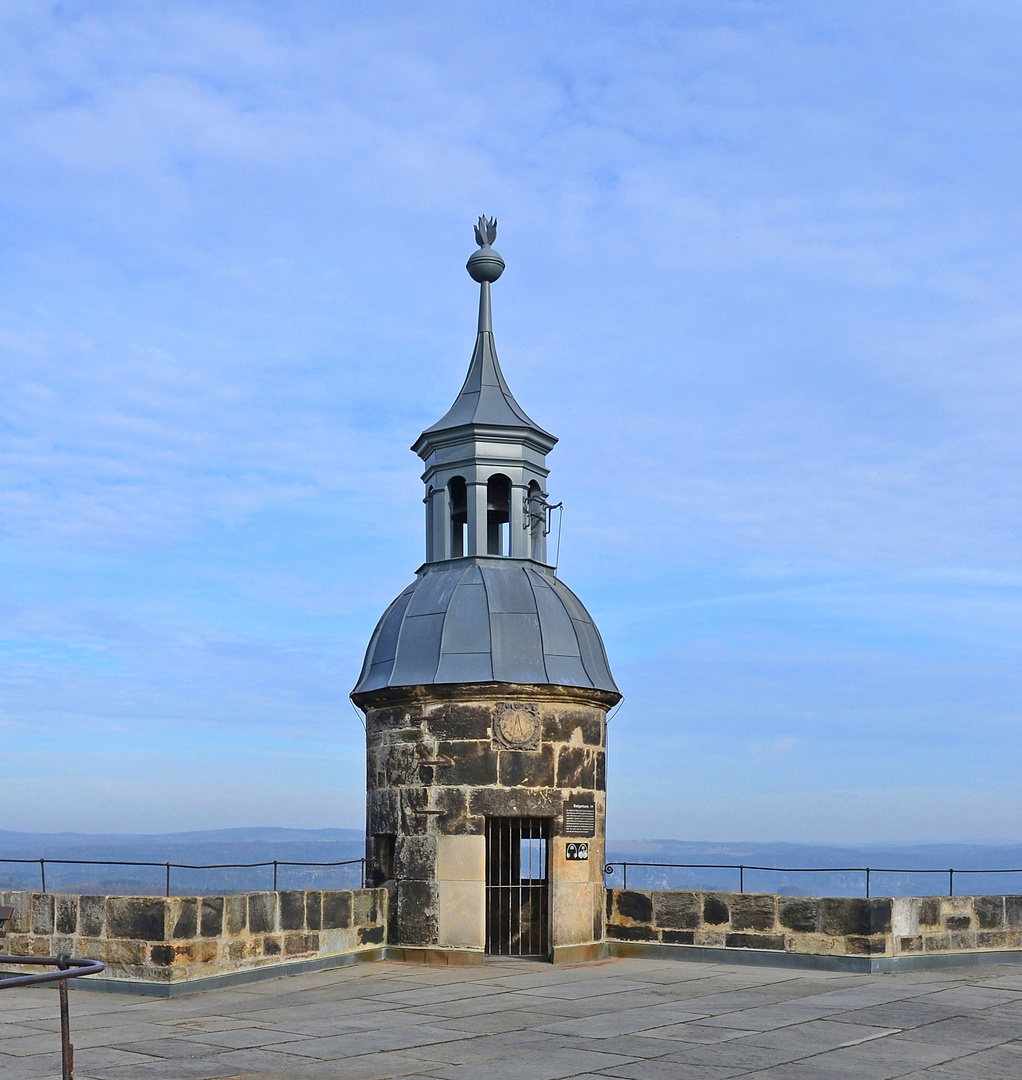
column 539, row 622
column 574, row 629
column 489, row 619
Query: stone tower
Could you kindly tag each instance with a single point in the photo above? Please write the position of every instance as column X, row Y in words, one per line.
column 485, row 689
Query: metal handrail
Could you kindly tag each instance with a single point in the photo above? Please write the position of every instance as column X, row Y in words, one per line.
column 74, row 969
column 867, row 870
column 168, row 866
column 68, row 967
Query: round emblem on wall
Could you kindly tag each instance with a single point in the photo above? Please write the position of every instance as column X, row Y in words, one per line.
column 516, row 726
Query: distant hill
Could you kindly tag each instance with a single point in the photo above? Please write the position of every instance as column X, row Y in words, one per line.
column 202, row 848
column 908, row 860
column 262, row 845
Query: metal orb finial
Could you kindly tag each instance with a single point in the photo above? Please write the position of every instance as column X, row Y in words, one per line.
column 485, row 265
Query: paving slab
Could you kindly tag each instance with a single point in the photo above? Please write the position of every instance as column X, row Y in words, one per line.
column 632, row 1019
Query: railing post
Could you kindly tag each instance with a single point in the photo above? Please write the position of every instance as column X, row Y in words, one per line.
column 274, row 875
column 167, row 891
column 67, row 1051
column 741, row 879
column 867, row 882
column 624, row 872
column 951, row 883
column 363, row 862
column 42, row 872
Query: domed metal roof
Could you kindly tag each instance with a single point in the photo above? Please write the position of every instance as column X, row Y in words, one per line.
column 481, row 620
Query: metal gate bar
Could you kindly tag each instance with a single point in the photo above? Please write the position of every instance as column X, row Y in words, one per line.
column 517, row 861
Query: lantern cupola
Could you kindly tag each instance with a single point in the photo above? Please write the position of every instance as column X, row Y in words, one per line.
column 485, row 458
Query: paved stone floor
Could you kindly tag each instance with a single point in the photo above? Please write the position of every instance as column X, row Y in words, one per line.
column 636, row 1019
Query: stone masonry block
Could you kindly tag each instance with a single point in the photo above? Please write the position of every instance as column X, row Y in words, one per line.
column 532, row 768
column 400, row 762
column 262, row 912
column 880, row 915
column 313, row 909
column 678, row 937
column 300, row 944
column 636, row 907
column 66, row 918
column 384, row 812
column 454, row 818
column 412, row 822
column 212, row 916
column 516, row 802
column 135, row 918
column 715, row 911
column 90, row 916
column 461, row 721
column 292, row 910
column 416, row 912
column 120, row 953
column 676, row 910
column 370, row 935
column 799, row 913
column 989, row 911
column 841, row 916
column 336, row 909
column 632, row 933
column 415, row 858
column 42, row 913
column 751, row 911
column 576, row 767
column 929, row 911
column 1013, row 911
column 235, row 915
column 186, row 925
column 863, row 945
column 773, row 942
column 958, row 922
column 994, row 939
column 573, row 726
column 365, row 906
column 461, row 858
column 964, row 939
column 473, row 764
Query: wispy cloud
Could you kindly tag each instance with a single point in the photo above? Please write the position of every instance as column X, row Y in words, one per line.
column 762, row 281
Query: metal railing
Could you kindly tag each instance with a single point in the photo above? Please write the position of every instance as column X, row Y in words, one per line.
column 67, row 968
column 868, row 871
column 168, row 866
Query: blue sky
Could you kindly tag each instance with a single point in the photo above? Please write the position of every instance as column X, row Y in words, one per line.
column 763, row 282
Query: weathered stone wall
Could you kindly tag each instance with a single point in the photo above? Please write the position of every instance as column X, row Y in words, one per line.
column 822, row 926
column 437, row 767
column 181, row 937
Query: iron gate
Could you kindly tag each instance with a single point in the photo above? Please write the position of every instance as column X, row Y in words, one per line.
column 517, row 909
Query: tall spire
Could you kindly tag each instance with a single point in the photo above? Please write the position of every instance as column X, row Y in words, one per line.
column 485, row 397
column 485, row 460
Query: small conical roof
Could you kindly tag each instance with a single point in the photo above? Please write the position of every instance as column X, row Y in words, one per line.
column 485, row 398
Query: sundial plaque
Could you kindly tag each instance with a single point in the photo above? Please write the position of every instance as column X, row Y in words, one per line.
column 516, row 726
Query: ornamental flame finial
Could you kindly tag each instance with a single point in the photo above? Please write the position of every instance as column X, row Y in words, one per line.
column 486, row 231
column 485, row 265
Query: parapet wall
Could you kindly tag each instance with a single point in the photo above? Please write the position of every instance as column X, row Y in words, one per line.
column 177, row 938
column 821, row 926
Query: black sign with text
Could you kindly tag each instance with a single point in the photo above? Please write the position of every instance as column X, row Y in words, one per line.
column 579, row 817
